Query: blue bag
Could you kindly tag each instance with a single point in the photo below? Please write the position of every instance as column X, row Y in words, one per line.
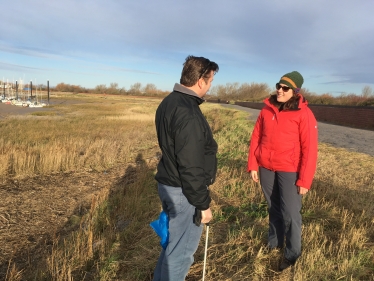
column 161, row 227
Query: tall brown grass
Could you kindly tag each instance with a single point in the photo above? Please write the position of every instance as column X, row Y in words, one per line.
column 79, row 136
column 114, row 241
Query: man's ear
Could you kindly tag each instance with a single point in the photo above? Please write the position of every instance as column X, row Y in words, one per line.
column 200, row 82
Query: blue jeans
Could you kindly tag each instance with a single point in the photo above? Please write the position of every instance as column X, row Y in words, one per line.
column 284, row 211
column 184, row 236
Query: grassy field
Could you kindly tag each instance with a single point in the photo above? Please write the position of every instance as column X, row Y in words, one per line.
column 112, row 240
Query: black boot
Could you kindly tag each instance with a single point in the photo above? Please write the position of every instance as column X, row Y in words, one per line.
column 286, row 264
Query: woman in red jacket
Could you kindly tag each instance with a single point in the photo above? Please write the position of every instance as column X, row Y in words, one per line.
column 283, row 150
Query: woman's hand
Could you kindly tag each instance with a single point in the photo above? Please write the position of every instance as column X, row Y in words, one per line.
column 302, row 190
column 254, row 176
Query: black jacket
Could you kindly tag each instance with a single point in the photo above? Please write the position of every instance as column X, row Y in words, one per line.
column 188, row 148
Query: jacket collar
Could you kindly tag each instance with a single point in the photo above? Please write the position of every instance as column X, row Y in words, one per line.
column 184, row 90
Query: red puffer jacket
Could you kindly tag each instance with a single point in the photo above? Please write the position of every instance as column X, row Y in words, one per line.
column 285, row 141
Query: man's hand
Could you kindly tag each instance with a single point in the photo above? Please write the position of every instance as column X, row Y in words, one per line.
column 302, row 190
column 254, row 176
column 206, row 216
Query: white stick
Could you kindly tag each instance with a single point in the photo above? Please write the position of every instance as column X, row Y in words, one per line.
column 206, row 249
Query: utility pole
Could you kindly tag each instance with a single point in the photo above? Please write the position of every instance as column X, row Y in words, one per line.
column 48, row 90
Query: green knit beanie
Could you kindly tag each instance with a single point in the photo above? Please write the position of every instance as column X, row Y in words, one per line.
column 292, row 79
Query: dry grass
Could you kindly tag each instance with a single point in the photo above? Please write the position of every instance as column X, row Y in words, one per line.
column 91, row 135
column 338, row 231
column 113, row 241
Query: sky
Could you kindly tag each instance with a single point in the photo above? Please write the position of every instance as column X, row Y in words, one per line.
column 99, row 42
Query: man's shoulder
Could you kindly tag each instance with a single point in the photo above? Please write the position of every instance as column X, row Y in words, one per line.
column 179, row 109
column 171, row 98
column 179, row 100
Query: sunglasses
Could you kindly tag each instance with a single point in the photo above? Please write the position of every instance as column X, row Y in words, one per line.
column 205, row 69
column 284, row 88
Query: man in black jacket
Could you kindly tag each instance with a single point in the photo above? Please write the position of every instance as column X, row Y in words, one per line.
column 187, row 167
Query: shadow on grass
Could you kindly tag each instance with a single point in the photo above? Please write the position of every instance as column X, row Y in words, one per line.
column 124, row 225
column 110, row 223
column 133, row 204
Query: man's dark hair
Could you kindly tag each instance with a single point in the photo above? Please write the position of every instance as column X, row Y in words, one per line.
column 195, row 68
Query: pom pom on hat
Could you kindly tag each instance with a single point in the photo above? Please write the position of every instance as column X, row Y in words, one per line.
column 292, row 79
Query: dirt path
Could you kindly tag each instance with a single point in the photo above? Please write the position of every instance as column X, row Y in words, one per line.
column 339, row 136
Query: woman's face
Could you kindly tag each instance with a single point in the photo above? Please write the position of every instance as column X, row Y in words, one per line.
column 282, row 95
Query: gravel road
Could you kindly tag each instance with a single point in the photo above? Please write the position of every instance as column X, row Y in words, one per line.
column 339, row 136
column 7, row 109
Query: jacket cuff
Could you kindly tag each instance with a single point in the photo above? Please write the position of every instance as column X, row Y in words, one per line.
column 204, row 205
column 303, row 184
column 252, row 168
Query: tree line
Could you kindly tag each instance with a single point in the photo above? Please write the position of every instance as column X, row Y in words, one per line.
column 136, row 89
column 257, row 92
column 254, row 92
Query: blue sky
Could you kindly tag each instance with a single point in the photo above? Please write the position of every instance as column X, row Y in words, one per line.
column 92, row 42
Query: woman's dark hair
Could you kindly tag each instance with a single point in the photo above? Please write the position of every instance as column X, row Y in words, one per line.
column 195, row 68
column 292, row 103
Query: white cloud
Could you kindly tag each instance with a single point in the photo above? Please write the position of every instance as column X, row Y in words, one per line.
column 328, row 38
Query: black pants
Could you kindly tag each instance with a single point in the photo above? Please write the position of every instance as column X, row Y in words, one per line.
column 284, row 205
